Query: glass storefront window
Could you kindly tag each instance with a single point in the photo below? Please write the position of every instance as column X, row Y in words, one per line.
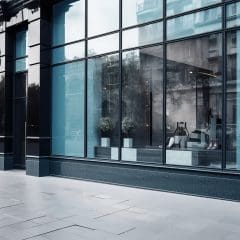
column 179, row 6
column 68, row 53
column 142, row 105
column 194, row 102
column 68, row 91
column 137, row 12
column 101, row 45
column 21, row 51
column 233, row 101
column 68, row 21
column 233, row 14
column 103, row 16
column 196, row 23
column 103, row 107
column 141, row 36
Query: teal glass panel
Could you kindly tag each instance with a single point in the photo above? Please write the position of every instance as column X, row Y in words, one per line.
column 233, row 101
column 68, row 109
column 180, row 6
column 141, row 36
column 103, row 16
column 68, row 53
column 21, row 65
column 68, row 21
column 103, row 107
column 101, row 45
column 233, row 15
column 21, row 44
column 196, row 23
column 137, row 12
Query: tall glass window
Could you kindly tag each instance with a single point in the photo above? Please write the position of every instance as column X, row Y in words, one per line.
column 180, row 6
column 21, row 51
column 194, row 102
column 233, row 100
column 103, row 107
column 103, row 16
column 195, row 23
column 233, row 14
column 68, row 21
column 140, row 36
column 142, row 105
column 68, row 91
column 136, row 12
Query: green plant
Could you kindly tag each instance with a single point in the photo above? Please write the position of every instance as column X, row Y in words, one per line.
column 106, row 126
column 128, row 126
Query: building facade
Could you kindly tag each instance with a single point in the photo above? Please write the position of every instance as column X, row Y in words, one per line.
column 143, row 93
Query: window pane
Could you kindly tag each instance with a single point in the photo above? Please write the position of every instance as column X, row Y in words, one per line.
column 196, row 23
column 137, row 12
column 233, row 100
column 194, row 102
column 233, row 14
column 21, row 65
column 68, row 109
column 21, row 44
column 142, row 105
column 68, row 53
column 68, row 21
column 180, row 6
column 109, row 43
column 103, row 107
column 103, row 16
column 141, row 36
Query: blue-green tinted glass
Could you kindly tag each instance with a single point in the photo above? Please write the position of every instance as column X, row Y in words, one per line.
column 68, row 21
column 21, row 65
column 196, row 23
column 109, row 43
column 68, row 53
column 21, row 44
column 136, row 12
column 103, row 16
column 233, row 14
column 141, row 36
column 103, row 107
column 180, row 6
column 68, row 109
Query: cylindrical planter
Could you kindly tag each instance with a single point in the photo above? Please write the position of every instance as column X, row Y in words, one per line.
column 105, row 142
column 127, row 142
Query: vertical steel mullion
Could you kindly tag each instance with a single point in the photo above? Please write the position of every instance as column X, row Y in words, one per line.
column 86, row 81
column 120, row 82
column 224, row 85
column 164, row 80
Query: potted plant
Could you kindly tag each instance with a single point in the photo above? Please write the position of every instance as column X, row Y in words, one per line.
column 127, row 127
column 106, row 127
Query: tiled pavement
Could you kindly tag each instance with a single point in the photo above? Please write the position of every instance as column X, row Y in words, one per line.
column 63, row 209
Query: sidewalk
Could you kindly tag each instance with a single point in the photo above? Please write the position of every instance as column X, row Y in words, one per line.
column 64, row 209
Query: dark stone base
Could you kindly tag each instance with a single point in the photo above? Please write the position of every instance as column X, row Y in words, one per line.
column 208, row 184
column 6, row 162
column 38, row 167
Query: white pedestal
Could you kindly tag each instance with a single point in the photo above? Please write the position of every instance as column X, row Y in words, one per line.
column 129, row 154
column 176, row 157
column 127, row 142
column 105, row 142
column 114, row 153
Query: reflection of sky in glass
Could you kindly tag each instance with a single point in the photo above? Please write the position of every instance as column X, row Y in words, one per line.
column 68, row 53
column 141, row 11
column 68, row 21
column 103, row 16
column 149, row 34
column 104, row 44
